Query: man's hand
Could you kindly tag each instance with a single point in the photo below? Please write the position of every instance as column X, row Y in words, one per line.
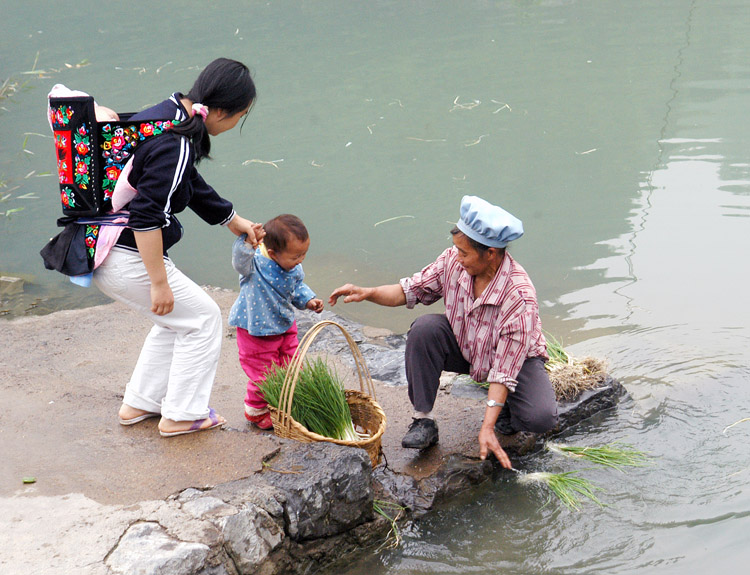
column 351, row 292
column 315, row 305
column 488, row 443
column 391, row 295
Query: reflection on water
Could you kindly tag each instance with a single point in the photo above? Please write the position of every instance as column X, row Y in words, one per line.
column 616, row 131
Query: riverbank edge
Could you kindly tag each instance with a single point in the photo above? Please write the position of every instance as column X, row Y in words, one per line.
column 267, row 523
column 312, row 508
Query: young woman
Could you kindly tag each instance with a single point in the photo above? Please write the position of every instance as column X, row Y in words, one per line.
column 175, row 371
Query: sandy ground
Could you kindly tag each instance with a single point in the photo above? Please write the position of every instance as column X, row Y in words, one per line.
column 61, row 382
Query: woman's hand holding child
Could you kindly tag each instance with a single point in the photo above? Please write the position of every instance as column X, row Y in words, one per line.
column 255, row 232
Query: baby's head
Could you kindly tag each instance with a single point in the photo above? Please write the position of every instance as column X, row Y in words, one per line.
column 104, row 114
column 286, row 240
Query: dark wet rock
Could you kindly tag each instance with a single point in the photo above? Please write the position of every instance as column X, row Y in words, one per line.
column 329, row 339
column 321, row 499
column 590, row 403
column 325, row 554
column 457, row 473
column 384, row 363
column 399, row 488
column 463, row 386
column 327, row 487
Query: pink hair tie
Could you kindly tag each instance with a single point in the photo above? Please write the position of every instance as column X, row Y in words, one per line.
column 201, row 110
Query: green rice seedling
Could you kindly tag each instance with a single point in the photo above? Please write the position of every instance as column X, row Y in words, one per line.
column 568, row 487
column 393, row 539
column 319, row 403
column 615, row 455
column 555, row 351
column 570, row 376
column 483, row 384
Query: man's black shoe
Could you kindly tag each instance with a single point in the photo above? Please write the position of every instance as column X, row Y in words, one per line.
column 503, row 425
column 422, row 434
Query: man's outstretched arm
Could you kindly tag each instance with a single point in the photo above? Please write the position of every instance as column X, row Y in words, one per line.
column 391, row 295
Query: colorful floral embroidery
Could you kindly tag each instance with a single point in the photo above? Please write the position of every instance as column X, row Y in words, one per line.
column 83, row 159
column 61, row 139
column 112, row 173
column 67, row 197
column 64, row 159
column 92, row 234
column 90, row 155
column 60, row 117
column 118, row 143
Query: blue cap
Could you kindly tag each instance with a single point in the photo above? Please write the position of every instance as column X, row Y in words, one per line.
column 489, row 225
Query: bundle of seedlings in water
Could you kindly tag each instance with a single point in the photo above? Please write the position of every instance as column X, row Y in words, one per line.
column 319, row 400
column 556, row 351
column 568, row 487
column 570, row 375
column 615, row 455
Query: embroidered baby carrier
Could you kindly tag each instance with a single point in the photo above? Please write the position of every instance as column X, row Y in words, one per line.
column 91, row 154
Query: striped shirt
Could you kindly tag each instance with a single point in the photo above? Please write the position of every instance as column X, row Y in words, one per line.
column 496, row 332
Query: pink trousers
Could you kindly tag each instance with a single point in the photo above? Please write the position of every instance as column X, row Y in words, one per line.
column 258, row 354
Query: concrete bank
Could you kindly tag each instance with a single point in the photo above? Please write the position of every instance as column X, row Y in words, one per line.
column 112, row 499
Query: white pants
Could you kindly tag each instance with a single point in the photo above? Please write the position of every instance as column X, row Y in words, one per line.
column 176, row 368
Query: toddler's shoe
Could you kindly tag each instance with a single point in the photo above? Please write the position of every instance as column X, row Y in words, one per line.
column 262, row 421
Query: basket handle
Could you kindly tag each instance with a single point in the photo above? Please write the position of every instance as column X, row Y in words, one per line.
column 297, row 362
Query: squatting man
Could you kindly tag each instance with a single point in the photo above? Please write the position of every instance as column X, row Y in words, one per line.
column 490, row 329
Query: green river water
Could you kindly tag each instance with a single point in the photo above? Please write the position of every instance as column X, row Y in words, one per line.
column 617, row 131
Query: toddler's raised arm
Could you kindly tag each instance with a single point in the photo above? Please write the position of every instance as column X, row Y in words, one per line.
column 242, row 256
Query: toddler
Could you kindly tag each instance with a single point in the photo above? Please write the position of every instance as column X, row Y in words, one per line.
column 271, row 287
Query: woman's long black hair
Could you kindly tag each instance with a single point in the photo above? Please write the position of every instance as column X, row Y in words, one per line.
column 224, row 84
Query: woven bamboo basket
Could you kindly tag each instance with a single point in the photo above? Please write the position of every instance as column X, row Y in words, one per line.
column 367, row 415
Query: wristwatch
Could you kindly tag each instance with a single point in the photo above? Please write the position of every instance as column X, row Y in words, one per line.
column 493, row 403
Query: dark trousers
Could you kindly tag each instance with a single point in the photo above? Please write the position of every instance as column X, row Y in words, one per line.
column 431, row 348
